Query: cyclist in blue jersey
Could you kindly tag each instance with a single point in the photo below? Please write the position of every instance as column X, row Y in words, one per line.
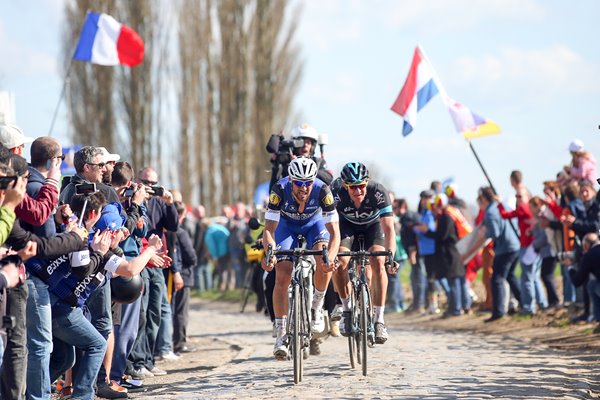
column 365, row 208
column 300, row 204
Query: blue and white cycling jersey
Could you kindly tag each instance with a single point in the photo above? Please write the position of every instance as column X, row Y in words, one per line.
column 310, row 222
column 282, row 205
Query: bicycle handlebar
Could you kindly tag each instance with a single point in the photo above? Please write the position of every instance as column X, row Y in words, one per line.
column 298, row 252
column 366, row 253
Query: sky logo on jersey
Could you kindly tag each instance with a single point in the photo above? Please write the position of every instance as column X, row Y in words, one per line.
column 274, row 199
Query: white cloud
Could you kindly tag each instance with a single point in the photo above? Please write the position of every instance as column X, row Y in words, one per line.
column 434, row 16
column 528, row 74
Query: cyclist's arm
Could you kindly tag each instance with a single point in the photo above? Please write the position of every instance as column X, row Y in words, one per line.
column 333, row 227
column 331, row 220
column 387, row 225
column 272, row 216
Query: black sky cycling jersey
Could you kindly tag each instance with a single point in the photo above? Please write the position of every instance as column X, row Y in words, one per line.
column 375, row 205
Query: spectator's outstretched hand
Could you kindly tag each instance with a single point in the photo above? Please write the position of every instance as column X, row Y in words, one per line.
column 101, row 241
column 15, row 195
column 30, row 250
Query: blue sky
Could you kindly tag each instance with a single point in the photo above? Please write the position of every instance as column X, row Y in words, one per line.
column 531, row 66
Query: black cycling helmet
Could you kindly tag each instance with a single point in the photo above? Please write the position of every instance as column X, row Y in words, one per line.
column 354, row 172
column 126, row 290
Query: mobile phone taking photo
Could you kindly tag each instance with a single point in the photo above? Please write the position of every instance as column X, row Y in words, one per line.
column 7, row 182
column 85, row 188
column 157, row 191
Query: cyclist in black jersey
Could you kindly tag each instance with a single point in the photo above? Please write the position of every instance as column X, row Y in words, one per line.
column 364, row 207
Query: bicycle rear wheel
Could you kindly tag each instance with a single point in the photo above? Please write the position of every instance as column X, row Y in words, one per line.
column 247, row 288
column 364, row 328
column 296, row 335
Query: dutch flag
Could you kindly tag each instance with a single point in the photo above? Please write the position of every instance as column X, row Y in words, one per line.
column 105, row 41
column 418, row 89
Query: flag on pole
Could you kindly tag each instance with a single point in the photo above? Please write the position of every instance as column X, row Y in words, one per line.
column 469, row 124
column 105, row 41
column 418, row 89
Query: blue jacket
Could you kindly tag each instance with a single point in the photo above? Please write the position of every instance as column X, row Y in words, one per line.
column 216, row 240
column 499, row 230
column 426, row 245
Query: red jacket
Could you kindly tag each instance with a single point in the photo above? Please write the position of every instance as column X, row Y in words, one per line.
column 524, row 216
column 37, row 211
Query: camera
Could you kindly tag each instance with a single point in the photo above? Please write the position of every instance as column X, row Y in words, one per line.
column 157, row 191
column 16, row 260
column 129, row 191
column 574, row 255
column 85, row 188
column 283, row 148
column 8, row 181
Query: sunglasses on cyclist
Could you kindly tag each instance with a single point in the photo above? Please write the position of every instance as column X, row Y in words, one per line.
column 357, row 186
column 303, row 183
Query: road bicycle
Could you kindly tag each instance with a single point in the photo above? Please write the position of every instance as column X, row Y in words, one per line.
column 300, row 293
column 362, row 329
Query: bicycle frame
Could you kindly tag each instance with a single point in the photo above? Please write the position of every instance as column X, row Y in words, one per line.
column 300, row 292
column 362, row 328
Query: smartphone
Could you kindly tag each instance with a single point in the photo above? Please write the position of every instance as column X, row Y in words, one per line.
column 129, row 191
column 157, row 191
column 8, row 182
column 85, row 188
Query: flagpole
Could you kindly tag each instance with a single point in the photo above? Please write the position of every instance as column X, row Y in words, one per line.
column 62, row 95
column 490, row 182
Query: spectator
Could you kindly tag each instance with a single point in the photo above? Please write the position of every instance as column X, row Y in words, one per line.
column 588, row 271
column 583, row 164
column 109, row 164
column 506, row 249
column 12, row 138
column 427, row 251
column 216, row 238
column 203, row 274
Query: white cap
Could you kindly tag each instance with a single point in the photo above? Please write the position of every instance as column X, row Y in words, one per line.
column 108, row 157
column 12, row 136
column 576, row 146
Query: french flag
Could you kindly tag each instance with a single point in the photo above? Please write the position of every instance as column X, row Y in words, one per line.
column 105, row 41
column 418, row 89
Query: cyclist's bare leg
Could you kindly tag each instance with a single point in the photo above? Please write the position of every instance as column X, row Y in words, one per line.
column 341, row 282
column 280, row 293
column 379, row 281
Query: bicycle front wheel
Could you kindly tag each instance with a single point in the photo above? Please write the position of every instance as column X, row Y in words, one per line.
column 297, row 335
column 364, row 327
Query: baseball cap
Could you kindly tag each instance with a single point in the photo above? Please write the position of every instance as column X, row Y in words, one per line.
column 110, row 218
column 12, row 136
column 108, row 157
column 576, row 146
column 426, row 193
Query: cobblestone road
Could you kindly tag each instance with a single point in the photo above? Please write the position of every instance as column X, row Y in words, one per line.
column 234, row 361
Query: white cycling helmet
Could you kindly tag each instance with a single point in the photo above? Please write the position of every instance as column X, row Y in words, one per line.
column 302, row 169
column 305, row 131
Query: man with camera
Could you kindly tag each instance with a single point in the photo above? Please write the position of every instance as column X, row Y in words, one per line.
column 162, row 215
column 588, row 270
column 303, row 143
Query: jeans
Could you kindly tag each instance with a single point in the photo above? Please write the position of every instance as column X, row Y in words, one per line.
column 548, row 266
column 99, row 304
column 39, row 339
column 395, row 291
column 14, row 366
column 568, row 287
column 504, row 270
column 594, row 291
column 466, row 296
column 445, row 285
column 528, row 276
column 125, row 335
column 455, row 298
column 181, row 301
column 164, row 340
column 71, row 329
column 138, row 355
column 540, row 293
column 418, row 283
column 156, row 290
column 203, row 277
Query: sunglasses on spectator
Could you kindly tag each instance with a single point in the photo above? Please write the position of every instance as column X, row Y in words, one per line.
column 303, row 183
column 149, row 183
column 356, row 186
column 27, row 176
column 62, row 157
column 99, row 165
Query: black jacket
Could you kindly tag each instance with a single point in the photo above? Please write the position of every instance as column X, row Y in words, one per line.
column 52, row 247
column 446, row 254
